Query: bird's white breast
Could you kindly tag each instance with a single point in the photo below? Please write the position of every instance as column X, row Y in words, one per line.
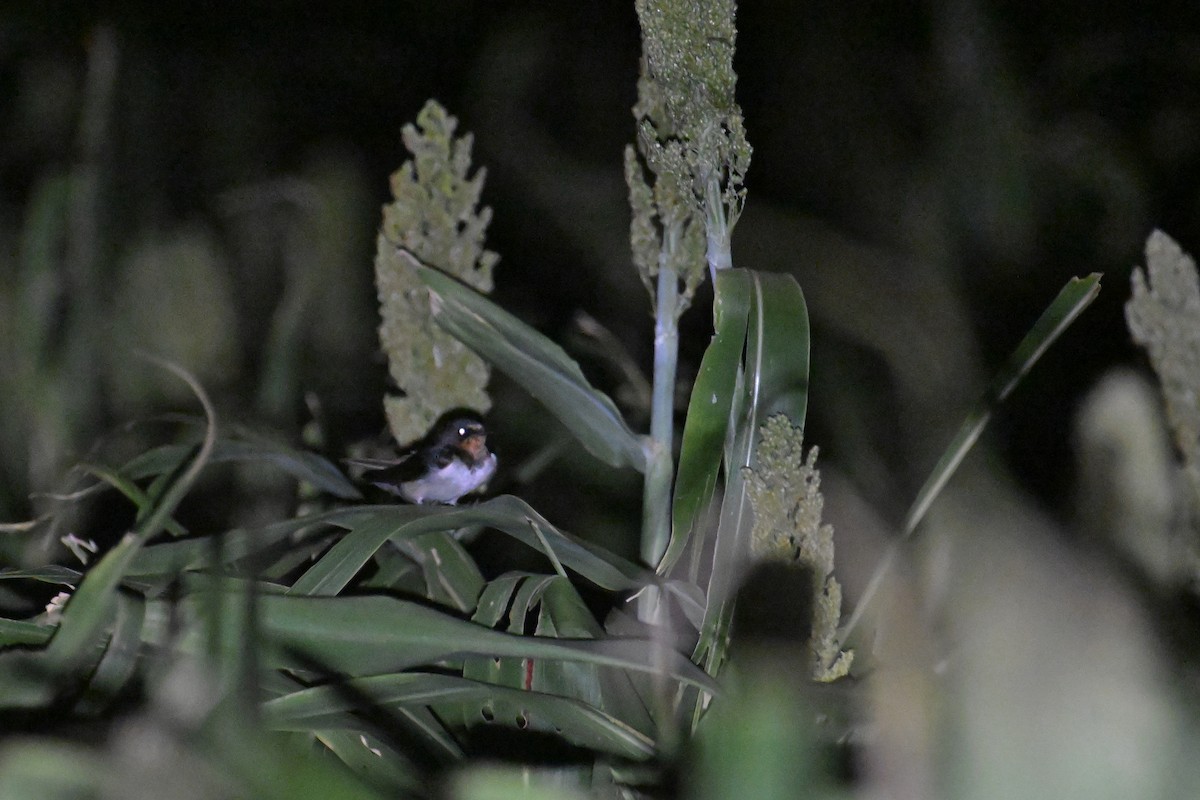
column 449, row 483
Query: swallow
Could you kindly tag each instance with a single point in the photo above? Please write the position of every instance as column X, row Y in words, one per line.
column 452, row 461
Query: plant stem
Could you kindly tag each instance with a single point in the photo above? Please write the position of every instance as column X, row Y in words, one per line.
column 656, row 506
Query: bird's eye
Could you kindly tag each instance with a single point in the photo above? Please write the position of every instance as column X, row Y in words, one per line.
column 462, row 431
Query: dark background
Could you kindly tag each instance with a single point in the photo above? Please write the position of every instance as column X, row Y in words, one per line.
column 932, row 174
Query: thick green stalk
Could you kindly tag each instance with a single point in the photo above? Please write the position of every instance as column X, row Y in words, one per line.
column 656, row 506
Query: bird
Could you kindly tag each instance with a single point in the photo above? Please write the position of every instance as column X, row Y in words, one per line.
column 451, row 461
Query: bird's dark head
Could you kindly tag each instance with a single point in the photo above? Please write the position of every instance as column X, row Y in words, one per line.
column 467, row 434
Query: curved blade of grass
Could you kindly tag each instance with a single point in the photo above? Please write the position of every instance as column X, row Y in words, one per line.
column 523, row 599
column 170, row 558
column 537, row 364
column 506, row 513
column 336, row 568
column 374, row 634
column 51, row 573
column 92, row 608
column 300, row 464
column 703, row 440
column 132, row 492
column 452, row 696
column 452, row 578
column 1076, row 296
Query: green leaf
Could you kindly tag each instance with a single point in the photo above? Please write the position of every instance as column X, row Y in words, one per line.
column 507, row 514
column 480, row 780
column 51, row 573
column 777, row 341
column 120, row 660
column 537, row 364
column 1071, row 301
column 374, row 761
column 496, row 598
column 168, row 558
column 248, row 447
column 133, row 492
column 373, row 634
column 93, row 607
column 456, row 697
column 17, row 631
column 1077, row 295
column 707, row 421
column 520, row 594
column 47, row 770
column 451, row 576
column 336, row 568
column 775, row 380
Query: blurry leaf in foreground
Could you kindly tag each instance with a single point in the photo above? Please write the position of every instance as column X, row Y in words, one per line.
column 93, row 607
column 174, row 297
column 1129, row 490
column 45, row 770
column 246, row 447
column 495, row 782
column 460, row 698
column 1056, row 684
column 759, row 741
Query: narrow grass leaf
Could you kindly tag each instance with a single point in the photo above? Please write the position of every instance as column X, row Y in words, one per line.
column 50, row 573
column 707, row 420
column 373, row 634
column 1077, row 295
column 1071, row 301
column 537, row 364
column 169, row 558
column 300, row 464
column 336, row 568
column 456, row 697
column 132, row 492
column 121, row 657
column 92, row 608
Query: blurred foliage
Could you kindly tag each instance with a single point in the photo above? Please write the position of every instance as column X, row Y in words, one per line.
column 172, row 295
